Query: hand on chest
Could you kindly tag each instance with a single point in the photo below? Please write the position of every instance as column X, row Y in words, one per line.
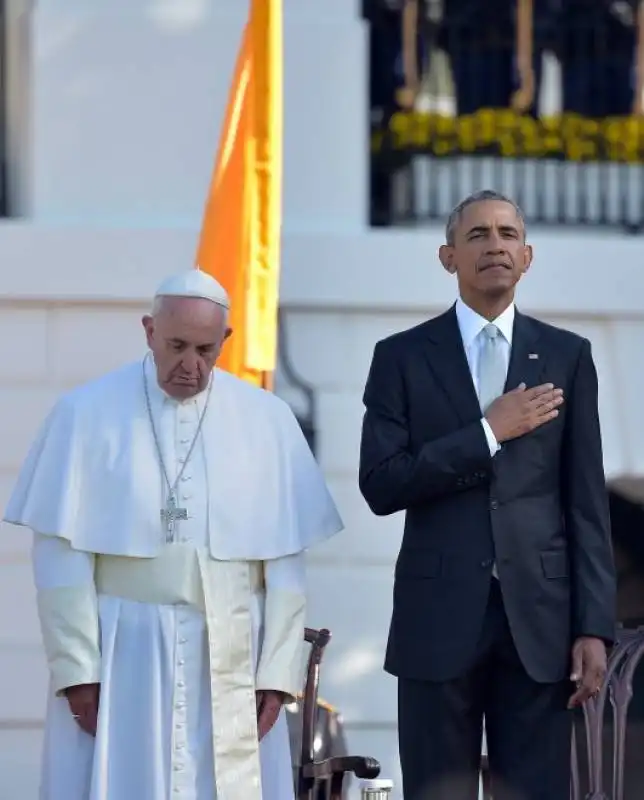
column 457, row 382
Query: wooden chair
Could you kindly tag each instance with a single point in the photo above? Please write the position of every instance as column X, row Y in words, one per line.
column 618, row 690
column 324, row 778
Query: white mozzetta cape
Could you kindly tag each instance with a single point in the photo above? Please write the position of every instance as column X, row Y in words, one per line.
column 92, row 476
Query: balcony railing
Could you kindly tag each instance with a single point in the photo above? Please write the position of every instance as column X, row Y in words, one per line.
column 563, row 134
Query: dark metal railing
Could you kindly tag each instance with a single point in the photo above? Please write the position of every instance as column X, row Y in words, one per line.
column 552, row 114
column 293, row 387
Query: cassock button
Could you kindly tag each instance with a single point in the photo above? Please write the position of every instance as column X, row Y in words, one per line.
column 494, row 504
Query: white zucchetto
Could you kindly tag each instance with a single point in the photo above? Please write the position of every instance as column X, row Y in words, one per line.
column 194, row 283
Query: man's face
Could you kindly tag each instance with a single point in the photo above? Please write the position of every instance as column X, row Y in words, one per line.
column 489, row 254
column 185, row 336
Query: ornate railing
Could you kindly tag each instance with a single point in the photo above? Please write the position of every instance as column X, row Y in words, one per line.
column 616, row 692
column 563, row 134
column 598, row 764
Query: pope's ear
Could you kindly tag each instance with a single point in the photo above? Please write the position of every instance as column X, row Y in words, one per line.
column 148, row 327
column 228, row 333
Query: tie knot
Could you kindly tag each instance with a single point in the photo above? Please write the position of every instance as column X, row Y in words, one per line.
column 491, row 331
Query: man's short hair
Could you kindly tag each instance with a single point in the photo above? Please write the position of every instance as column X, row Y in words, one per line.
column 478, row 197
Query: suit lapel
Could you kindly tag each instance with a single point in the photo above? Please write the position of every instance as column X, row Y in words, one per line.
column 527, row 360
column 447, row 360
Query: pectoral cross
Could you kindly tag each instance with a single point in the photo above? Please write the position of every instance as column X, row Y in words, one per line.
column 169, row 516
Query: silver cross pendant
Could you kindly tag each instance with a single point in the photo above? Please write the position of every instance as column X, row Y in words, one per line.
column 170, row 515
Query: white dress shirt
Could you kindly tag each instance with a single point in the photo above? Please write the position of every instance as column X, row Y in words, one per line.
column 471, row 327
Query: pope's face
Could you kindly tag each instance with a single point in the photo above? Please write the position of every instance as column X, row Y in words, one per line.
column 185, row 335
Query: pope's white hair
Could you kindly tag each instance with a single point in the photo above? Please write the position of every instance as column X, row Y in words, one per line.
column 160, row 299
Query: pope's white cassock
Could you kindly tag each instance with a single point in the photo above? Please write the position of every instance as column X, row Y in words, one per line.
column 179, row 635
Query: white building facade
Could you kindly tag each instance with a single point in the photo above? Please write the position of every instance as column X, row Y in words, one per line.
column 114, row 117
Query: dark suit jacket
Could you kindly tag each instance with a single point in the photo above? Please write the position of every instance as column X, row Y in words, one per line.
column 539, row 506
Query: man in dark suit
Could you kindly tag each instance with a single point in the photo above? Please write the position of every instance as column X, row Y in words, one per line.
column 482, row 425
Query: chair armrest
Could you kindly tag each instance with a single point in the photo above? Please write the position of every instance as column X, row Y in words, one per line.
column 361, row 766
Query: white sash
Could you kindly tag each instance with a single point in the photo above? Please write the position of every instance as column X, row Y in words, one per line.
column 180, row 575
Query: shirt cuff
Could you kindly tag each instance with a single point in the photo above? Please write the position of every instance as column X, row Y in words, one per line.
column 280, row 664
column 490, row 437
column 70, row 632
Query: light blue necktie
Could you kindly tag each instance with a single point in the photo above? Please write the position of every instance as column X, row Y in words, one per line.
column 492, row 373
column 492, row 366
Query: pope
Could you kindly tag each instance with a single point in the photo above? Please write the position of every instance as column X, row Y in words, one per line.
column 171, row 506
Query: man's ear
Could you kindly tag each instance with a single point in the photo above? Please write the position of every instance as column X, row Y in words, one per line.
column 446, row 255
column 527, row 258
column 228, row 333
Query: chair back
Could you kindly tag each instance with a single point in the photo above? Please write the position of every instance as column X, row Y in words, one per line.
column 325, row 767
column 318, row 640
column 618, row 692
column 588, row 778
